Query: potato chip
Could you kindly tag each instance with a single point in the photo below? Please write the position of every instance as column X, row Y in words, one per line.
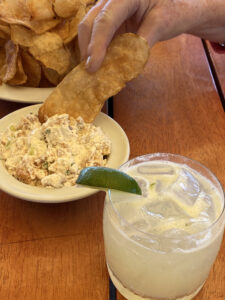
column 41, row 9
column 45, row 31
column 44, row 43
column 31, row 68
column 4, row 31
column 62, row 29
column 68, row 28
column 51, row 75
column 44, row 82
column 42, row 26
column 73, row 24
column 2, row 63
column 66, row 8
column 48, row 49
column 21, row 35
column 2, row 57
column 11, row 60
column 14, row 10
column 83, row 94
column 20, row 76
column 58, row 60
column 74, row 49
column 89, row 2
column 2, row 42
column 18, row 12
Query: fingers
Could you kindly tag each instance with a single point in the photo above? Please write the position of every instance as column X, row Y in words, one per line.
column 85, row 28
column 105, row 23
column 150, row 30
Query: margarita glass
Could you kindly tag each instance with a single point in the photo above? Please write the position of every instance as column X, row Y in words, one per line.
column 163, row 244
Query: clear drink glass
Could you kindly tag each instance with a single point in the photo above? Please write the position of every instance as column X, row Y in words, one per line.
column 164, row 247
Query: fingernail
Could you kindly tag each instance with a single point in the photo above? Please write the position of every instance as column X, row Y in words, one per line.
column 88, row 62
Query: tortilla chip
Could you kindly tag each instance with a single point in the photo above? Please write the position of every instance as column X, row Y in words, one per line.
column 31, row 68
column 20, row 76
column 83, row 94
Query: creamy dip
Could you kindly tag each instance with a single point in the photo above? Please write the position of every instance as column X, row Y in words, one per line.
column 52, row 154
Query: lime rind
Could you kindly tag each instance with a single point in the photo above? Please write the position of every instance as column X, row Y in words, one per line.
column 108, row 178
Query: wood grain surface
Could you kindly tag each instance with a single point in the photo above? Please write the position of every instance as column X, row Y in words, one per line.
column 218, row 61
column 56, row 252
column 174, row 107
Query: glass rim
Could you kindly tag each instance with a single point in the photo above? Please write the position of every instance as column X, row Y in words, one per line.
column 160, row 154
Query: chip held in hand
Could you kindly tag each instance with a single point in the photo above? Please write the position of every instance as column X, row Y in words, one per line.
column 83, row 94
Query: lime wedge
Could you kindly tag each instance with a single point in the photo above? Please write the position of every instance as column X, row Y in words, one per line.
column 107, row 178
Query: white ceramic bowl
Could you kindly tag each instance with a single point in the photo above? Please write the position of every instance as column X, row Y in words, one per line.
column 24, row 94
column 119, row 155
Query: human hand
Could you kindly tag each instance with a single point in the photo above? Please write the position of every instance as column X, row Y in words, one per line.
column 155, row 20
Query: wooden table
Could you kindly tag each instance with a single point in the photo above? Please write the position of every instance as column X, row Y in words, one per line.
column 216, row 59
column 56, row 251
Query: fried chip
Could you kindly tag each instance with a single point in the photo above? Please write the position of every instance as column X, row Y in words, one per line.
column 21, row 35
column 10, row 66
column 51, row 75
column 31, row 68
column 14, row 11
column 2, row 42
column 48, row 48
column 42, row 26
column 20, row 76
column 2, row 57
column 45, row 33
column 73, row 24
column 68, row 28
column 4, row 31
column 2, row 63
column 74, row 49
column 41, row 9
column 19, row 13
column 62, row 29
column 44, row 43
column 58, row 60
column 83, row 94
column 66, row 8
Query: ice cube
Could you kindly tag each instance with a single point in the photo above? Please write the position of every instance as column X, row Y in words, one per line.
column 175, row 233
column 163, row 210
column 144, row 185
column 156, row 169
column 140, row 224
column 186, row 187
column 197, row 225
column 209, row 211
